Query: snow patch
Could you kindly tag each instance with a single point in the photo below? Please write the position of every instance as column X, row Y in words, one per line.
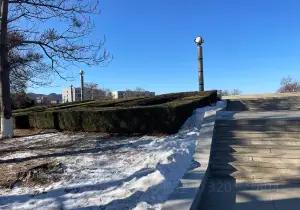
column 133, row 173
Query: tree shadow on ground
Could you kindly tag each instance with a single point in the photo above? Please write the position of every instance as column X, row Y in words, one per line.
column 60, row 192
column 149, row 196
column 74, row 152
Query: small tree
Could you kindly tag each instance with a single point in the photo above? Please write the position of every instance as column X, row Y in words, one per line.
column 93, row 92
column 289, row 85
column 90, row 91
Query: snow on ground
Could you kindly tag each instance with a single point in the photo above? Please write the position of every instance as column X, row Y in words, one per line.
column 132, row 173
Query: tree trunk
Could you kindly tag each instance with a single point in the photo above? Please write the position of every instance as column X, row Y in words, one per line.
column 5, row 100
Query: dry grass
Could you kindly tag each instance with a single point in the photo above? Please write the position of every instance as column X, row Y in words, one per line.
column 29, row 173
column 29, row 162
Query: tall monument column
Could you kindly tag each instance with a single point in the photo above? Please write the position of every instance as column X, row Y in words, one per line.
column 199, row 41
column 82, row 84
column 72, row 98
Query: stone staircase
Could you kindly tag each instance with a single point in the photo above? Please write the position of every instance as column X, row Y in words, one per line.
column 257, row 140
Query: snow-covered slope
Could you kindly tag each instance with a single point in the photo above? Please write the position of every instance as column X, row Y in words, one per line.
column 132, row 173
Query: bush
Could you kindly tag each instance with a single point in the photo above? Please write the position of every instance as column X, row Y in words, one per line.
column 21, row 101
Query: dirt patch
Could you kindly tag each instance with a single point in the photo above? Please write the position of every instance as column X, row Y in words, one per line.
column 41, row 174
column 32, row 160
column 30, row 174
column 31, row 132
column 35, row 160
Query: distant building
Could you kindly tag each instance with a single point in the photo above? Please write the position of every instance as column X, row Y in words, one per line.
column 53, row 102
column 71, row 94
column 42, row 100
column 131, row 94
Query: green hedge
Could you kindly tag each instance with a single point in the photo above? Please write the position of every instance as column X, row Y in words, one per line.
column 138, row 101
column 54, row 107
column 43, row 120
column 163, row 118
column 127, row 121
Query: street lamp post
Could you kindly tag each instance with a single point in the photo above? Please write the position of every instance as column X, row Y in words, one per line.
column 82, row 85
column 199, row 41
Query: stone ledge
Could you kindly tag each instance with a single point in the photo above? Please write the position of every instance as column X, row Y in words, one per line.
column 189, row 192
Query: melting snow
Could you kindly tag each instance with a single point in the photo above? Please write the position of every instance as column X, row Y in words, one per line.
column 133, row 173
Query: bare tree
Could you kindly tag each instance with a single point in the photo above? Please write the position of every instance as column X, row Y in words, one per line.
column 230, row 92
column 288, row 85
column 93, row 92
column 90, row 90
column 139, row 89
column 41, row 37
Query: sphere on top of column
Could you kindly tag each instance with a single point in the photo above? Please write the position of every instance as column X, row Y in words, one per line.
column 199, row 40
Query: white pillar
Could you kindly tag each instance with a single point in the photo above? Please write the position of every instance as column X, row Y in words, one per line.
column 7, row 127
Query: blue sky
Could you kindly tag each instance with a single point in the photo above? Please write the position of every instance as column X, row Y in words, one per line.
column 249, row 45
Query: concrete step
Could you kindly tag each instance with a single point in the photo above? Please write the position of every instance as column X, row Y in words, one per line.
column 293, row 107
column 255, row 155
column 261, row 128
column 258, row 122
column 261, row 115
column 238, row 164
column 258, row 149
column 272, row 102
column 256, row 138
column 290, row 103
column 256, row 173
column 260, row 183
column 229, row 158
column 256, row 134
column 254, row 147
column 260, row 142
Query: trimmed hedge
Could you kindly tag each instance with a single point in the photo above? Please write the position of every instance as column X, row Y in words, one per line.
column 153, row 119
column 165, row 118
column 138, row 101
column 43, row 120
column 55, row 107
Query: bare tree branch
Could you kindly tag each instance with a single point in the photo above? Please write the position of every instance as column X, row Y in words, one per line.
column 45, row 50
